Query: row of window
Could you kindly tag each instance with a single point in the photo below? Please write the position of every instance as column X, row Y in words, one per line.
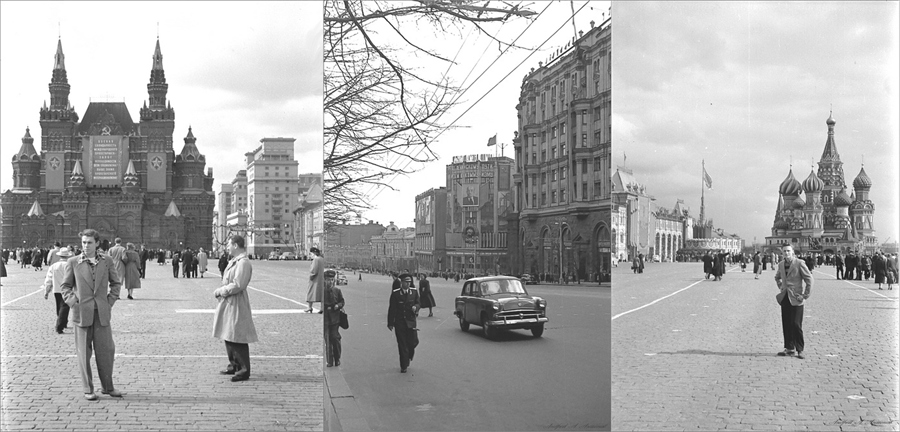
column 561, row 197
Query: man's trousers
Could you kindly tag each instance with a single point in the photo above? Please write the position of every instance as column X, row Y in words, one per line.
column 62, row 312
column 239, row 357
column 332, row 343
column 407, row 340
column 95, row 338
column 792, row 324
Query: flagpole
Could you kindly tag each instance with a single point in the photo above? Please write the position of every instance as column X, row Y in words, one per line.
column 702, row 192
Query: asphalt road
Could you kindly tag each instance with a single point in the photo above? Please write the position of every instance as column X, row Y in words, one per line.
column 694, row 354
column 167, row 361
column 462, row 381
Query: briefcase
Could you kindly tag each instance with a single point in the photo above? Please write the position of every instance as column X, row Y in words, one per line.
column 344, row 323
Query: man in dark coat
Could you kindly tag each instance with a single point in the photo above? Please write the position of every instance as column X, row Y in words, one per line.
column 850, row 263
column 333, row 304
column 707, row 264
column 401, row 319
column 187, row 260
column 839, row 265
column 176, row 257
column 425, row 296
column 145, row 256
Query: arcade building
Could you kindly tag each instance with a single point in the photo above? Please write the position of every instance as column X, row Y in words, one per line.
column 109, row 173
column 818, row 215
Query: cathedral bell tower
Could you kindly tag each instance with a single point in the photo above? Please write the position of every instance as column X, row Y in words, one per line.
column 27, row 166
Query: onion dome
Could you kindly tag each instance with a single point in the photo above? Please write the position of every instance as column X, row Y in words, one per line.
column 830, row 121
column 813, row 183
column 862, row 180
column 790, row 186
column 842, row 199
column 782, row 224
column 799, row 203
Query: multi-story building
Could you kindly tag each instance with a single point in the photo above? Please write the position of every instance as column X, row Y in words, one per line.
column 109, row 173
column 479, row 201
column 271, row 194
column 562, row 171
column 306, row 180
column 223, row 207
column 349, row 245
column 431, row 230
column 309, row 224
column 236, row 215
column 394, row 250
column 634, row 228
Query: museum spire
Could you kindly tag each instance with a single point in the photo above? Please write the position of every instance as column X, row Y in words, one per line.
column 157, row 88
column 59, row 60
column 830, row 154
column 59, row 82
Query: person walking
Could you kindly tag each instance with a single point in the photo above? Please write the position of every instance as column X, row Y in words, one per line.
column 316, row 279
column 132, row 263
column 707, row 264
column 878, row 268
column 233, row 322
column 117, row 253
column 402, row 311
column 890, row 270
column 37, row 260
column 176, row 258
column 795, row 282
column 202, row 261
column 223, row 262
column 757, row 265
column 145, row 256
column 187, row 260
column 333, row 305
column 425, row 296
column 56, row 274
column 91, row 288
column 839, row 266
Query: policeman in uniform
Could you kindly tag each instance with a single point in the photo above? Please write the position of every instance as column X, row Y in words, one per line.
column 402, row 312
column 333, row 303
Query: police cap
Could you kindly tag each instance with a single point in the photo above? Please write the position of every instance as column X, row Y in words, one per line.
column 330, row 273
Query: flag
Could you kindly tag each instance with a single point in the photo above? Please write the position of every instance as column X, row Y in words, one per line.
column 492, row 141
column 707, row 179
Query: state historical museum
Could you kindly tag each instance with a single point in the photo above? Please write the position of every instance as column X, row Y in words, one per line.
column 108, row 173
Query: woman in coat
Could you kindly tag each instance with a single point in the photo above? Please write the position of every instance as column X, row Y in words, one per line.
column 890, row 269
column 132, row 263
column 233, row 322
column 37, row 260
column 316, row 279
column 757, row 265
column 426, row 299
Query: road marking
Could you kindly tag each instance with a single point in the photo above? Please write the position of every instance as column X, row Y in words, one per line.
column 283, row 298
column 657, row 300
column 303, row 357
column 255, row 312
column 20, row 298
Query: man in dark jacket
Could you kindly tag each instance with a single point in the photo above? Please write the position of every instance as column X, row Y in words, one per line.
column 187, row 260
column 402, row 312
column 333, row 304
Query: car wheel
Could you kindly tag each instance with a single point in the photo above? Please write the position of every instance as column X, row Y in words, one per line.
column 463, row 325
column 486, row 329
column 537, row 331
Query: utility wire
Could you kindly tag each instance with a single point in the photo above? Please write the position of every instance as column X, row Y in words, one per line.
column 490, row 90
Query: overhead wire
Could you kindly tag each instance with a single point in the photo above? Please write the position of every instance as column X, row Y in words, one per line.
column 490, row 90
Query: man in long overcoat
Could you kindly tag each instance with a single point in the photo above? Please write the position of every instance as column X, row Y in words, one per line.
column 117, row 253
column 333, row 304
column 90, row 288
column 795, row 283
column 233, row 322
column 402, row 311
column 316, row 279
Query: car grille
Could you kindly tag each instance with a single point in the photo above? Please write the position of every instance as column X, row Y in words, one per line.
column 517, row 314
column 519, row 304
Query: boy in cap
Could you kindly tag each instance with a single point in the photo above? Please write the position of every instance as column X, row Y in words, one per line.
column 334, row 302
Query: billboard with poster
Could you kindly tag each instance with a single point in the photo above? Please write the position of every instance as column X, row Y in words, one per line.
column 425, row 211
column 105, row 159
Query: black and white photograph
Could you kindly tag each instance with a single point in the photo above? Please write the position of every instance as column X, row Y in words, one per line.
column 467, row 184
column 756, row 178
column 161, row 179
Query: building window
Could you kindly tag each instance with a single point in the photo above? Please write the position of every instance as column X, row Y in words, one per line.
column 534, row 200
column 562, row 173
column 543, row 198
column 543, row 137
column 553, row 152
column 584, row 166
column 583, row 117
column 584, row 190
column 562, row 195
column 584, row 140
column 553, row 175
column 553, row 132
column 597, row 189
column 553, row 197
column 596, row 164
column 564, row 148
column 575, row 191
column 543, row 178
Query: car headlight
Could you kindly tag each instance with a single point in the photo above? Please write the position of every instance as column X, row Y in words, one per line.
column 496, row 306
column 541, row 302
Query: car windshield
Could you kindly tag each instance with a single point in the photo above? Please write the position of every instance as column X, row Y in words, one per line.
column 502, row 286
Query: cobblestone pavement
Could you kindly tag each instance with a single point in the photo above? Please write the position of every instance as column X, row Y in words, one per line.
column 167, row 362
column 703, row 358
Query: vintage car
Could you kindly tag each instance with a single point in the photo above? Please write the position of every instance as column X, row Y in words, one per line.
column 341, row 279
column 500, row 302
column 528, row 279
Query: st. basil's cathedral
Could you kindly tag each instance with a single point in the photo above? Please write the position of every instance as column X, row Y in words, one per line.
column 108, row 173
column 820, row 214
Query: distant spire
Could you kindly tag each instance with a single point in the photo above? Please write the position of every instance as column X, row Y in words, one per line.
column 36, row 210
column 157, row 57
column 59, row 60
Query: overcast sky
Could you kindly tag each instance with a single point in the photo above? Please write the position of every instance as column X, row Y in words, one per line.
column 237, row 72
column 496, row 113
column 747, row 87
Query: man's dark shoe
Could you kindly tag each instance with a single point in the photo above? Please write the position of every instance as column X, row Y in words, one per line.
column 237, row 378
column 329, row 364
column 786, row 353
column 113, row 393
column 227, row 372
column 800, row 355
column 403, row 370
column 337, row 362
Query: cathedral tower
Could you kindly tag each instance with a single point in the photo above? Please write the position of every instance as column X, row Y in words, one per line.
column 26, row 166
column 831, row 169
column 862, row 211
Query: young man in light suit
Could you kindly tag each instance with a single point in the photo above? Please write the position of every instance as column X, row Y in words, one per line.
column 795, row 283
column 91, row 288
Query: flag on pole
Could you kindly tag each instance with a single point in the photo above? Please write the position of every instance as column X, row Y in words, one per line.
column 707, row 179
column 492, row 141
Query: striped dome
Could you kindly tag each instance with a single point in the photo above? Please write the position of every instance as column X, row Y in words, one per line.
column 813, row 183
column 862, row 180
column 842, row 199
column 790, row 186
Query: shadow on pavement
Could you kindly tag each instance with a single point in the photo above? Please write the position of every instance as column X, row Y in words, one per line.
column 726, row 354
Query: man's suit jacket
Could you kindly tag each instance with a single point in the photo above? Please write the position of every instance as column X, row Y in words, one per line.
column 117, row 253
column 85, row 289
column 403, row 308
column 796, row 281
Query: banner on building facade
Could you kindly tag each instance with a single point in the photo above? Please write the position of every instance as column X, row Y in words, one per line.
column 106, row 157
column 156, row 172
column 56, row 171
